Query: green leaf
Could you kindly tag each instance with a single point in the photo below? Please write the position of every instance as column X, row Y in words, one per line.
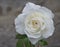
column 20, row 43
column 27, row 43
column 32, row 45
column 24, row 43
column 43, row 42
column 19, row 36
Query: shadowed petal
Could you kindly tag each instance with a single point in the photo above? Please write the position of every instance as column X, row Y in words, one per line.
column 19, row 23
column 34, row 40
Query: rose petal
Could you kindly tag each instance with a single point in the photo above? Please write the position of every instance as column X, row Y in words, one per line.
column 34, row 40
column 30, row 7
column 50, row 29
column 31, row 35
column 48, row 12
column 19, row 23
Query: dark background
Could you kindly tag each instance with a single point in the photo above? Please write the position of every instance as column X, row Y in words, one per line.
column 9, row 9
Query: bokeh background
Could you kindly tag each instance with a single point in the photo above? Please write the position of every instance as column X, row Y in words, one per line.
column 9, row 9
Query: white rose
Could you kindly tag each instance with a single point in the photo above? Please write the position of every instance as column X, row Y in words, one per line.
column 36, row 22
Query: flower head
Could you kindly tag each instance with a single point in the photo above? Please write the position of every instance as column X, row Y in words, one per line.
column 36, row 22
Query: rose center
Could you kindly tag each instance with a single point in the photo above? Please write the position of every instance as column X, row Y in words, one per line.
column 35, row 23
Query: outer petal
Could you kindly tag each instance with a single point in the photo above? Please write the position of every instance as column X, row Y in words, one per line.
column 32, row 7
column 19, row 23
column 47, row 12
column 31, row 35
column 50, row 29
column 34, row 40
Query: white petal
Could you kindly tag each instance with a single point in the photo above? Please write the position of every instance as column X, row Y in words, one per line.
column 50, row 29
column 48, row 12
column 34, row 40
column 30, row 7
column 19, row 23
column 32, row 35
